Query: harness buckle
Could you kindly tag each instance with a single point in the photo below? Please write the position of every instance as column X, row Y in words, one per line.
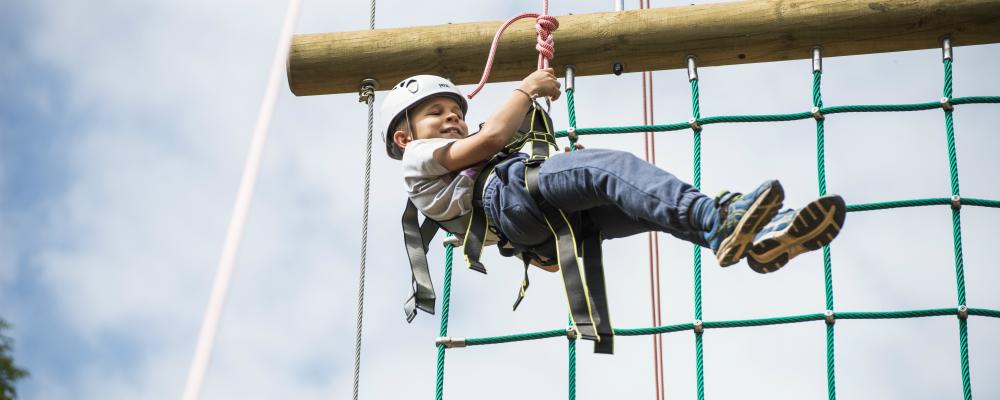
column 534, row 160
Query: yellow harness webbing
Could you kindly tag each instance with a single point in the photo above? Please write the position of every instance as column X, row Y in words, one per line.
column 584, row 282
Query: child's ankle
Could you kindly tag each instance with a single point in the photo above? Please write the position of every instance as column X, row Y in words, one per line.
column 703, row 215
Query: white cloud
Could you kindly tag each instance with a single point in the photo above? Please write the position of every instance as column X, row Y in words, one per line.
column 171, row 91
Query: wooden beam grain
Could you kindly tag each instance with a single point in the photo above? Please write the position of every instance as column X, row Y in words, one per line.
column 651, row 39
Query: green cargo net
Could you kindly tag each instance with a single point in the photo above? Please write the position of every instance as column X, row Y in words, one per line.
column 829, row 316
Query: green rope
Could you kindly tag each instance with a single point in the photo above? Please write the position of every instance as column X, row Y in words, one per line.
column 698, row 340
column 956, row 223
column 947, row 92
column 445, row 309
column 827, row 264
column 831, row 387
column 975, row 99
column 570, row 105
column 817, row 96
column 754, row 118
column 820, row 140
column 516, row 337
column 572, row 369
column 963, row 346
column 782, row 117
column 743, row 323
column 934, row 312
column 571, row 379
column 984, row 312
column 920, row 203
column 880, row 108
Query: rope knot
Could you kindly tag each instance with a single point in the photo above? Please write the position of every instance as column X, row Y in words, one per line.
column 544, row 25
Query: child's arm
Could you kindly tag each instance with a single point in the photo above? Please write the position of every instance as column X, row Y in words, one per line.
column 501, row 126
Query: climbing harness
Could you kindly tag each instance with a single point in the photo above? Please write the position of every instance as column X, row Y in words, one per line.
column 574, row 236
column 584, row 284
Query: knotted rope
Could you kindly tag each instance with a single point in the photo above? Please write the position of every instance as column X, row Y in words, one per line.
column 544, row 25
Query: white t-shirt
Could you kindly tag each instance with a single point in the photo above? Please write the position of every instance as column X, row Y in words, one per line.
column 438, row 193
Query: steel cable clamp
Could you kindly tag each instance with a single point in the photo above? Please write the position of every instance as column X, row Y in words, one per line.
column 450, row 342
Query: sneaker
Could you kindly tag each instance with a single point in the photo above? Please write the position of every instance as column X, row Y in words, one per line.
column 740, row 218
column 793, row 232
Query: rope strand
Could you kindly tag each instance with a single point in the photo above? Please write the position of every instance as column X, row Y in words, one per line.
column 364, row 227
column 237, row 221
column 544, row 25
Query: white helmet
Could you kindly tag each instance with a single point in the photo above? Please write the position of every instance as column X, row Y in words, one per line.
column 407, row 94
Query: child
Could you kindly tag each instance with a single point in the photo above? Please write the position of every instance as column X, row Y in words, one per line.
column 423, row 120
column 529, row 202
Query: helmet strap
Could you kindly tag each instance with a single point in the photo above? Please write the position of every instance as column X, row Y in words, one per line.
column 409, row 126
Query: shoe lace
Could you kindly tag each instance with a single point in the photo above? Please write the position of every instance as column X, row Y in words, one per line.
column 722, row 202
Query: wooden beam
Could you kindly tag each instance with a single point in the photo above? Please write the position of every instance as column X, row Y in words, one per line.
column 651, row 39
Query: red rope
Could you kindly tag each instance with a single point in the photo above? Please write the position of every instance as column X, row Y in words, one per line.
column 544, row 25
column 653, row 240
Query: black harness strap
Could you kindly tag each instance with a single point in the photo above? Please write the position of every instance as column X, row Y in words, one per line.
column 417, row 238
column 585, row 318
column 587, row 299
column 475, row 234
column 478, row 227
column 593, row 266
column 584, row 282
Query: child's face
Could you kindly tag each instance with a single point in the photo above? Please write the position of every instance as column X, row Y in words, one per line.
column 439, row 117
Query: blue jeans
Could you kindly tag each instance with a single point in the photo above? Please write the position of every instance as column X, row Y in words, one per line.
column 623, row 195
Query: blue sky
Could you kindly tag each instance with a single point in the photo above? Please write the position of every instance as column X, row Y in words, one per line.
column 124, row 131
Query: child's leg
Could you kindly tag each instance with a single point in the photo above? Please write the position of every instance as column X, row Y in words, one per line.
column 629, row 196
column 651, row 197
column 648, row 197
column 515, row 213
column 614, row 224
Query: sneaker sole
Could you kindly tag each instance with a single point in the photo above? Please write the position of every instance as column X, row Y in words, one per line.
column 738, row 244
column 813, row 227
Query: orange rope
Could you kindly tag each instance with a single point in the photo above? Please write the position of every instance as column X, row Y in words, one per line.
column 653, row 240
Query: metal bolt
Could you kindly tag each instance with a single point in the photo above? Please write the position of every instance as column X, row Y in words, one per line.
column 617, row 68
column 450, row 343
column 694, row 124
column 817, row 53
column 956, row 202
column 817, row 114
column 698, row 327
column 570, row 77
column 692, row 67
column 946, row 104
column 963, row 312
column 828, row 316
column 571, row 133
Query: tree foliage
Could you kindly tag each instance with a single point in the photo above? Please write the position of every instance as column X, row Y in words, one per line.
column 9, row 373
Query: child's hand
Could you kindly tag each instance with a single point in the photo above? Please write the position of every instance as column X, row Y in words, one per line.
column 542, row 83
column 578, row 146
